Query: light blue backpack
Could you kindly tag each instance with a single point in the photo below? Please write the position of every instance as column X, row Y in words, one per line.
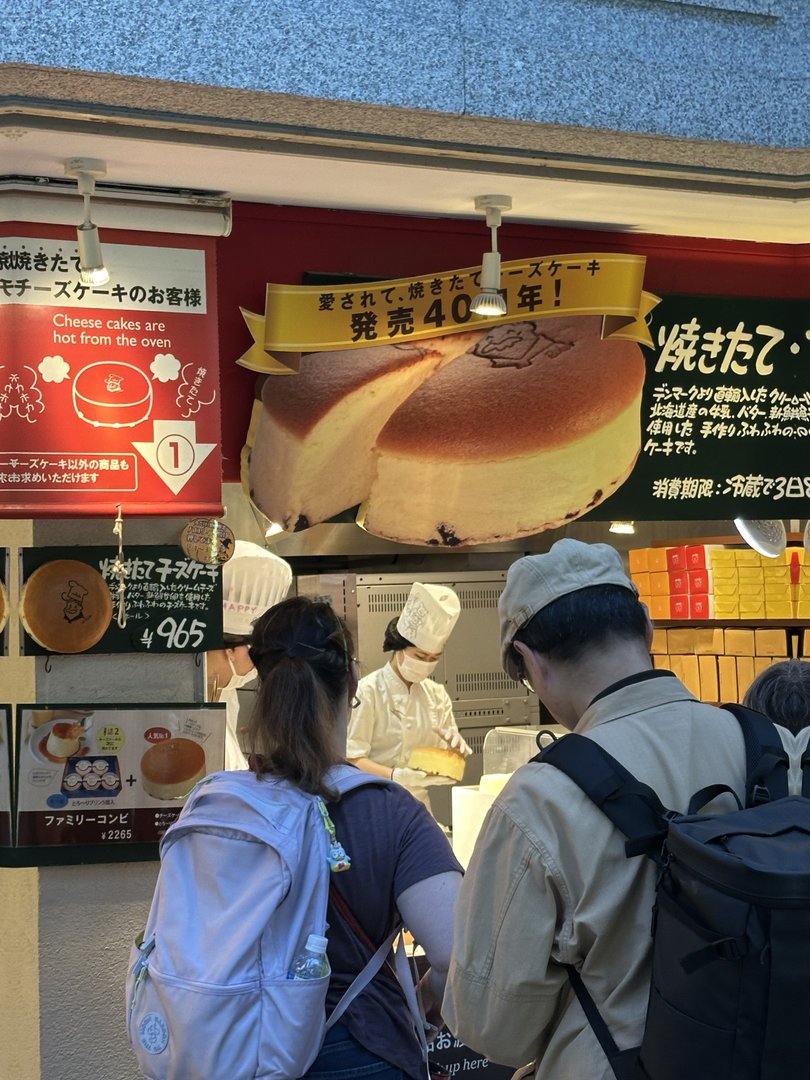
column 244, row 881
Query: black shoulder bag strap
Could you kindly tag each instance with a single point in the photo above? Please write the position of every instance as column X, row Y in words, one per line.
column 766, row 760
column 637, row 812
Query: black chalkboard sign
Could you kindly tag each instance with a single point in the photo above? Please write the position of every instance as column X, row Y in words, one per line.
column 725, row 413
column 173, row 603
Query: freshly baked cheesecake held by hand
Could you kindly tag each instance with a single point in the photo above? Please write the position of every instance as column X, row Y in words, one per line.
column 312, row 455
column 536, row 425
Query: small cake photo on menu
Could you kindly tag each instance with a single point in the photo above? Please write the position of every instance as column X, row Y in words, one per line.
column 170, row 769
column 82, row 767
column 100, row 765
column 92, row 781
column 72, row 782
column 436, row 761
column 109, row 780
column 64, row 740
column 66, row 606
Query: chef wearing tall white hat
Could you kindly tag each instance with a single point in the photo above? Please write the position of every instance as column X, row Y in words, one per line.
column 399, row 708
column 253, row 580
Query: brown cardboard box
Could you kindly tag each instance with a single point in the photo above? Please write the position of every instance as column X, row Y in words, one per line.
column 690, row 676
column 745, row 674
column 770, row 643
column 739, row 641
column 709, row 640
column 727, row 677
column 707, row 669
column 681, row 641
column 659, row 643
column 762, row 663
column 661, row 660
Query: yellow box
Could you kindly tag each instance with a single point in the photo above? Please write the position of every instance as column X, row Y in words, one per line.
column 770, row 643
column 657, row 560
column 805, row 646
column 751, row 573
column 659, row 583
column 799, row 552
column 739, row 641
column 690, row 676
column 707, row 670
column 659, row 643
column 681, row 641
column 642, row 581
column 752, row 607
column 777, row 572
column 726, row 588
column 659, row 607
column 708, row 640
column 762, row 663
column 661, row 660
column 778, row 609
column 751, row 588
column 637, row 558
column 723, row 557
column 728, row 573
column 777, row 591
column 745, row 674
column 803, row 609
column 727, row 677
column 726, row 608
column 747, row 557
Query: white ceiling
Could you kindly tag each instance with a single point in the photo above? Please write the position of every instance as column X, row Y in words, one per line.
column 357, row 177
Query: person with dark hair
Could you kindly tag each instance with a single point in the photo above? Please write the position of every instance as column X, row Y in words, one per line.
column 402, row 867
column 253, row 579
column 782, row 693
column 400, row 708
column 549, row 884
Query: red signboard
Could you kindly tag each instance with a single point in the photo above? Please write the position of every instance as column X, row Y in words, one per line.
column 109, row 394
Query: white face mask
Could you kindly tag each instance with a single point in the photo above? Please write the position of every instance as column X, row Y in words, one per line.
column 413, row 670
column 236, row 680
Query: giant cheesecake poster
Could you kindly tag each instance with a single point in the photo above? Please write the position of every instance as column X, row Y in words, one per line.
column 588, row 398
column 109, row 394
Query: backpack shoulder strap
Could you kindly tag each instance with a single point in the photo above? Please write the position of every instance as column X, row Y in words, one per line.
column 766, row 760
column 633, row 807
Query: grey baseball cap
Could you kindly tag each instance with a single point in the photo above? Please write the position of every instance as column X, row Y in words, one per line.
column 536, row 581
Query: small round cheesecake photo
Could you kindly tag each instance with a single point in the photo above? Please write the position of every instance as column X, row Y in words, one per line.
column 171, row 768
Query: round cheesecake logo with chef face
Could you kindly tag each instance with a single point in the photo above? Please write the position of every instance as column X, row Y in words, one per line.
column 153, row 1033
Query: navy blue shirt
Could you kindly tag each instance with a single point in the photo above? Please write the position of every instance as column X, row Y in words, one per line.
column 393, row 843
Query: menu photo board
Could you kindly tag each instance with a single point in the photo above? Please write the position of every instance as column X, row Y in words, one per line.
column 109, row 393
column 70, row 601
column 5, row 776
column 110, row 774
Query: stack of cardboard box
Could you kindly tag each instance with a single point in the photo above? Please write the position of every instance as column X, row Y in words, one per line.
column 718, row 664
column 711, row 582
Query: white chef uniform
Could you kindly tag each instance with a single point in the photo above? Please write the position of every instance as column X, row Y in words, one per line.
column 393, row 718
column 253, row 580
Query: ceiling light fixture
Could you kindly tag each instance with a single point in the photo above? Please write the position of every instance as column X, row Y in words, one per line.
column 768, row 537
column 490, row 301
column 627, row 527
column 92, row 270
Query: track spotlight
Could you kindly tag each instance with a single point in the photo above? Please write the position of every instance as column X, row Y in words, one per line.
column 490, row 301
column 92, row 270
column 768, row 537
column 626, row 527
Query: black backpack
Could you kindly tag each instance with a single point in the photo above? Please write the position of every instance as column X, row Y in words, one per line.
column 730, row 989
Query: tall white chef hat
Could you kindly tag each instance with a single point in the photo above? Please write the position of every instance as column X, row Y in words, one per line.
column 253, row 579
column 429, row 615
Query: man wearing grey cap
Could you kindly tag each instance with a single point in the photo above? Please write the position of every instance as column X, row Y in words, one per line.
column 549, row 883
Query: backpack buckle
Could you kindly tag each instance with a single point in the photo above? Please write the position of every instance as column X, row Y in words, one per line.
column 759, row 795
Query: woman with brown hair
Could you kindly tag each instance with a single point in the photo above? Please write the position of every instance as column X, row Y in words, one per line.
column 402, row 867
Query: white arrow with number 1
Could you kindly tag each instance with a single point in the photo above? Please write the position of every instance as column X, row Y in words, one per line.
column 174, row 453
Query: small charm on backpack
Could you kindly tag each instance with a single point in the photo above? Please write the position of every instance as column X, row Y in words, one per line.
column 337, row 855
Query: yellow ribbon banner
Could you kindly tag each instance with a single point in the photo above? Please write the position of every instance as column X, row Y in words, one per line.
column 313, row 318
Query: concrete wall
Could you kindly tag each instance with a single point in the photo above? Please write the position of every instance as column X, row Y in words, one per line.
column 729, row 70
